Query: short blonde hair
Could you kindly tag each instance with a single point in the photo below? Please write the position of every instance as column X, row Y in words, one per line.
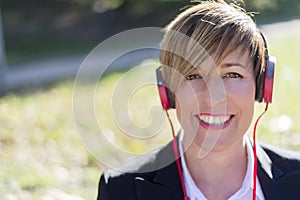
column 211, row 28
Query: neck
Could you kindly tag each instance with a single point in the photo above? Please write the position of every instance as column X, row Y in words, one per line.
column 213, row 172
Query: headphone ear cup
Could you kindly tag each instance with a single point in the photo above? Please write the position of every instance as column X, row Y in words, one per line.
column 269, row 80
column 170, row 98
column 264, row 91
column 164, row 99
column 165, row 94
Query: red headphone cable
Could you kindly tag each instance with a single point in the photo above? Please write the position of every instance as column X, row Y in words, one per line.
column 254, row 152
column 177, row 158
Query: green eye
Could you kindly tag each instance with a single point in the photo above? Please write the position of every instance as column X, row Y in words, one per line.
column 192, row 76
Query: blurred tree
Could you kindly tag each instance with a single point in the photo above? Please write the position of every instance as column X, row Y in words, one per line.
column 261, row 5
column 104, row 5
column 35, row 28
column 267, row 10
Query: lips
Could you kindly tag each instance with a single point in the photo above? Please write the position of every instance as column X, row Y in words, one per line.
column 213, row 121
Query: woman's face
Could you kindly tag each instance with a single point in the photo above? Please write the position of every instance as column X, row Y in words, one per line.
column 215, row 105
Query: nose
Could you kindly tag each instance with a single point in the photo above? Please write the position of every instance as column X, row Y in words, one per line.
column 214, row 93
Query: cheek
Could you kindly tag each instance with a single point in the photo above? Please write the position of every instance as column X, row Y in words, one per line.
column 183, row 100
column 179, row 103
column 183, row 95
column 243, row 91
column 242, row 97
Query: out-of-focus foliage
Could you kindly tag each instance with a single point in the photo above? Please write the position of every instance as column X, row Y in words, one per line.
column 35, row 29
column 270, row 10
column 272, row 6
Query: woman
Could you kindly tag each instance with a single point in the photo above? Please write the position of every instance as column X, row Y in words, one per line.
column 213, row 58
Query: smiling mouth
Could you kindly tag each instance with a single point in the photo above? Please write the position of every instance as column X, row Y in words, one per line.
column 209, row 121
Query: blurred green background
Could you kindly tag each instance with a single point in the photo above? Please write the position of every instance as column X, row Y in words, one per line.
column 36, row 29
column 41, row 153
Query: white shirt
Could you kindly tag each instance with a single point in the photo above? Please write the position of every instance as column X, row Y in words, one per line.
column 244, row 193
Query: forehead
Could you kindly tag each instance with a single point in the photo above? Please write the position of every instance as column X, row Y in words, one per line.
column 234, row 58
column 237, row 56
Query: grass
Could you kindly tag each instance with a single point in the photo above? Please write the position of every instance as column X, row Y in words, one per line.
column 39, row 148
column 42, row 154
column 285, row 96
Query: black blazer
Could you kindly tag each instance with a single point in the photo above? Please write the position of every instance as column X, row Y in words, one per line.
column 278, row 173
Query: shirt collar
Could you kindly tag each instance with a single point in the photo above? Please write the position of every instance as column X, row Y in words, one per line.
column 195, row 193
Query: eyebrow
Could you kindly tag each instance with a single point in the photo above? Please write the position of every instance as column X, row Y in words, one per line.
column 226, row 65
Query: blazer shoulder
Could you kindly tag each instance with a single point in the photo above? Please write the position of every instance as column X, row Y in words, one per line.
column 278, row 172
column 286, row 160
column 117, row 183
column 116, row 187
column 146, row 163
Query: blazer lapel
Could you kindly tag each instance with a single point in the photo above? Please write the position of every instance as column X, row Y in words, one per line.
column 165, row 185
column 274, row 182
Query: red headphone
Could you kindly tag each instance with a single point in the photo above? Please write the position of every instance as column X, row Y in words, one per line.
column 264, row 89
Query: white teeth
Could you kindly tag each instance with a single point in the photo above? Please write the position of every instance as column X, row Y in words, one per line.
column 214, row 120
